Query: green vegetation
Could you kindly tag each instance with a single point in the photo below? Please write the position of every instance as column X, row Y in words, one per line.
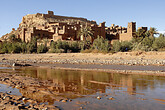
column 159, row 43
column 64, row 47
column 101, row 44
column 122, row 46
column 144, row 41
column 42, row 49
column 85, row 32
column 32, row 46
column 7, row 47
column 152, row 31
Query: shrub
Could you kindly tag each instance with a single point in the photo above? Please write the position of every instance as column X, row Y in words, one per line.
column 101, row 44
column 74, row 46
column 64, row 46
column 42, row 49
column 140, row 46
column 7, row 47
column 122, row 46
column 3, row 48
column 16, row 48
column 116, row 46
column 24, row 47
column 53, row 45
column 136, row 40
column 159, row 43
column 125, row 46
column 59, row 47
column 148, row 41
column 32, row 46
column 144, row 44
column 85, row 44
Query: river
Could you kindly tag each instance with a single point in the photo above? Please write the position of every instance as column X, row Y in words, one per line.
column 92, row 90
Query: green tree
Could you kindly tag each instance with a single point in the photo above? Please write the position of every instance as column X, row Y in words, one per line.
column 16, row 48
column 153, row 31
column 159, row 42
column 125, row 46
column 148, row 41
column 24, row 47
column 116, row 46
column 75, row 46
column 85, row 32
column 122, row 46
column 32, row 46
column 42, row 48
column 101, row 44
column 144, row 44
column 140, row 33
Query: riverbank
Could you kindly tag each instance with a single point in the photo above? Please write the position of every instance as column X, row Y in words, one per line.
column 34, row 94
column 149, row 63
column 121, row 58
column 38, row 91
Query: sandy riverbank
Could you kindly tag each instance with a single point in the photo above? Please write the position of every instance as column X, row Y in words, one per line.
column 122, row 58
column 150, row 63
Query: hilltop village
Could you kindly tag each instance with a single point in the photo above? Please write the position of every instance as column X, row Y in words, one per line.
column 54, row 27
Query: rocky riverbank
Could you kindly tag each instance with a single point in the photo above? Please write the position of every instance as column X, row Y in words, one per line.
column 126, row 58
column 34, row 93
column 149, row 63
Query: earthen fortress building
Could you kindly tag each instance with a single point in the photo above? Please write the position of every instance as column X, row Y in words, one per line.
column 54, row 27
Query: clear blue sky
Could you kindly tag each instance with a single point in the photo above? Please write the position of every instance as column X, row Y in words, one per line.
column 150, row 13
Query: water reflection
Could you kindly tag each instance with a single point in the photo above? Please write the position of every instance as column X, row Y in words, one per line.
column 89, row 82
column 5, row 89
column 138, row 92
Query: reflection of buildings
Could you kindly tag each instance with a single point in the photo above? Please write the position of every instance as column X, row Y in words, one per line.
column 81, row 82
column 127, row 82
column 73, row 84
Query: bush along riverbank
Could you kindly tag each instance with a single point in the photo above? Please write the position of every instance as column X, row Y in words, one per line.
column 142, row 42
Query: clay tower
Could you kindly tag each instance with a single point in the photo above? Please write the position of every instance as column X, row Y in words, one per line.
column 131, row 27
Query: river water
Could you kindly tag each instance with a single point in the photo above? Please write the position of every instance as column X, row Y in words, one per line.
column 116, row 91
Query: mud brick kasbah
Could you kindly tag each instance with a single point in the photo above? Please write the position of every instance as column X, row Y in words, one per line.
column 54, row 27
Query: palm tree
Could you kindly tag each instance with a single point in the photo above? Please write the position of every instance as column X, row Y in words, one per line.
column 85, row 32
column 153, row 31
column 140, row 33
